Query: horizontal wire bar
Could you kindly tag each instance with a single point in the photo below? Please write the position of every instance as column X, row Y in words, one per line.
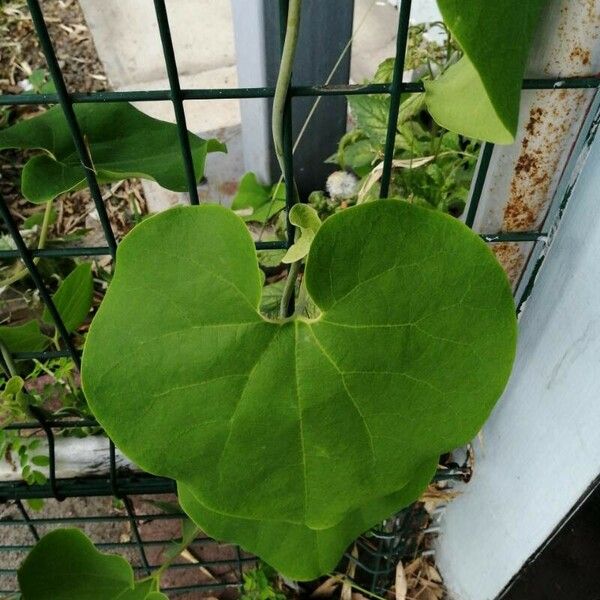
column 8, row 522
column 72, row 252
column 141, row 484
column 518, row 236
column 268, row 92
column 133, row 544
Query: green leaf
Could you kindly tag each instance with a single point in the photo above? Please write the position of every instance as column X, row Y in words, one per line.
column 257, row 202
column 73, row 299
column 123, row 141
column 35, row 504
column 359, row 157
column 371, row 114
column 297, row 551
column 13, row 386
column 24, row 338
column 479, row 96
column 37, row 219
column 41, row 460
column 414, row 345
column 65, row 565
column 271, row 298
column 307, row 219
column 385, row 71
column 156, row 596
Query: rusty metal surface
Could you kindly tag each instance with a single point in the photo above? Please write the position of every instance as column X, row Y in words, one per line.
column 523, row 178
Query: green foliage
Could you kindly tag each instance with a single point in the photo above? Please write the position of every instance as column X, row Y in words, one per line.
column 24, row 450
column 307, row 220
column 65, row 565
column 256, row 202
column 204, row 384
column 271, row 298
column 123, row 142
column 23, row 338
column 444, row 162
column 73, row 299
column 13, row 401
column 479, row 96
column 258, row 585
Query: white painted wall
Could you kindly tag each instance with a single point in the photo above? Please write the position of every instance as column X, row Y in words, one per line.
column 541, row 448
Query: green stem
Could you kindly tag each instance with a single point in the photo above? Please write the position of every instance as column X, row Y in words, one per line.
column 288, row 290
column 186, row 541
column 41, row 244
column 281, row 93
column 8, row 360
column 285, row 77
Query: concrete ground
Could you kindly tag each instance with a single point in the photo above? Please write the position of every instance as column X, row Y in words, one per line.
column 127, row 39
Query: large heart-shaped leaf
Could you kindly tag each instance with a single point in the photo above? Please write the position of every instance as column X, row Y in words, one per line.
column 479, row 96
column 297, row 551
column 302, row 420
column 123, row 142
column 65, row 565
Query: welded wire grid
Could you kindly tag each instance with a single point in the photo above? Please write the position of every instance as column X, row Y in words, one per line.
column 379, row 549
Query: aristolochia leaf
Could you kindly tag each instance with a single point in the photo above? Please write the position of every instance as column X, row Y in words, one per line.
column 73, row 299
column 297, row 551
column 123, row 142
column 305, row 218
column 304, row 420
column 23, row 338
column 479, row 96
column 65, row 565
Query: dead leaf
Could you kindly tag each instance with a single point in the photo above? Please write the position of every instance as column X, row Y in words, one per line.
column 350, row 571
column 376, row 174
column 327, row 588
column 401, row 585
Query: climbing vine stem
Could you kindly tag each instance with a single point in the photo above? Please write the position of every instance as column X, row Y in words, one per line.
column 279, row 103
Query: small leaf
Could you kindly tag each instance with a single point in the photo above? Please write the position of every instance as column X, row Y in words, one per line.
column 307, row 219
column 371, row 114
column 256, row 202
column 123, row 142
column 479, row 96
column 65, row 565
column 37, row 218
column 73, row 299
column 13, row 386
column 24, row 338
column 35, row 504
column 41, row 460
column 271, row 298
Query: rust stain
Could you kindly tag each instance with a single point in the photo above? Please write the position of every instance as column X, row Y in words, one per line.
column 228, row 188
column 582, row 55
column 512, row 259
column 537, row 163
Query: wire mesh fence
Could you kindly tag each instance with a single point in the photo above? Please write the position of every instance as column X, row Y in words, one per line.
column 380, row 549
